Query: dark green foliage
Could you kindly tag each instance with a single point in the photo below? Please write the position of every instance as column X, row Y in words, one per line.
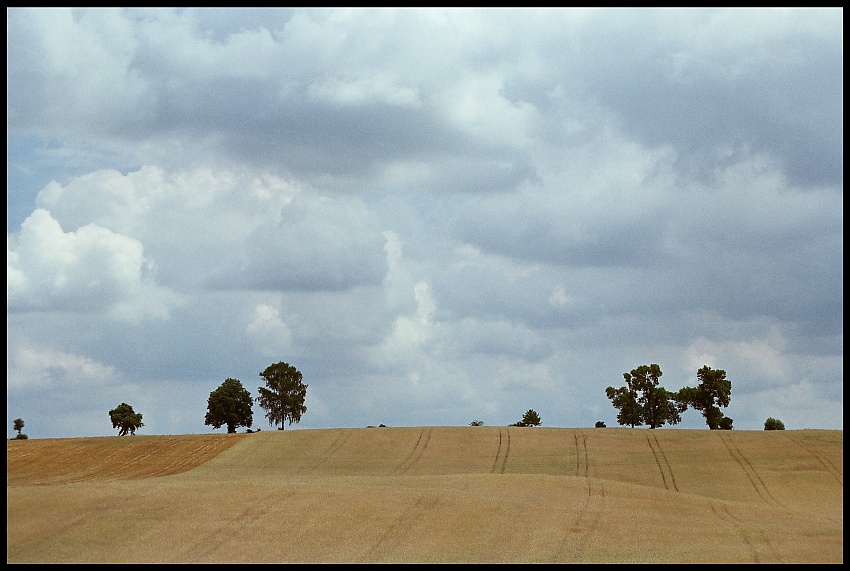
column 476, row 423
column 643, row 401
column 773, row 424
column 714, row 391
column 230, row 404
column 625, row 399
column 125, row 419
column 283, row 396
column 530, row 418
column 20, row 436
column 18, row 425
column 725, row 423
column 599, row 424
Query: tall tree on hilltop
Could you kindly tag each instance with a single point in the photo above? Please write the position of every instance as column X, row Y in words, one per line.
column 283, row 396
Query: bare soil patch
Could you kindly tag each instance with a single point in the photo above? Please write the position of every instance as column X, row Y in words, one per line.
column 65, row 460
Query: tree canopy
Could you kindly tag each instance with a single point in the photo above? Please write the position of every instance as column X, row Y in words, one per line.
column 230, row 404
column 283, row 396
column 125, row 419
column 530, row 418
column 643, row 401
column 714, row 391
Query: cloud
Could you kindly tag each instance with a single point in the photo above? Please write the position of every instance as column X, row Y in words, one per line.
column 437, row 215
column 268, row 331
column 91, row 269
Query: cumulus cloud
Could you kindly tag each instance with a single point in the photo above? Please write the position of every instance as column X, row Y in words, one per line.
column 435, row 214
column 90, row 269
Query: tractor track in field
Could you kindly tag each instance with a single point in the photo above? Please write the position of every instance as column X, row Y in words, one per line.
column 663, row 464
column 415, row 453
column 831, row 468
column 248, row 516
column 579, row 531
column 398, row 529
column 762, row 549
column 332, row 448
column 502, row 452
column 582, row 465
column 755, row 480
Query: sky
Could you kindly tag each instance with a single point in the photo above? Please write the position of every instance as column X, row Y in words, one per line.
column 438, row 216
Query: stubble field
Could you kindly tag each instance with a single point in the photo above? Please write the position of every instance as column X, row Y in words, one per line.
column 430, row 494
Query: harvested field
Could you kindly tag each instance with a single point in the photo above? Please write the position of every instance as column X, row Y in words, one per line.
column 430, row 494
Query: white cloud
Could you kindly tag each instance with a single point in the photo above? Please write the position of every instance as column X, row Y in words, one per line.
column 268, row 332
column 33, row 369
column 755, row 364
column 92, row 269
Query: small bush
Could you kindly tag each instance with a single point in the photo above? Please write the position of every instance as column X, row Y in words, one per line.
column 21, row 437
column 599, row 424
column 773, row 424
column 476, row 423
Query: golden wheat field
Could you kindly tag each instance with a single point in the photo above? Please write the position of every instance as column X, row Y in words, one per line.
column 430, row 494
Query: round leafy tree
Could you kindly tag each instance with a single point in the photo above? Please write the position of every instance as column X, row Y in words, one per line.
column 125, row 419
column 230, row 404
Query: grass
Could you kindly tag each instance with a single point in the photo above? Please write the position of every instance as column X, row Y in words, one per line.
column 429, row 494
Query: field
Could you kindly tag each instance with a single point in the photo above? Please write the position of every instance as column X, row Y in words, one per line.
column 430, row 494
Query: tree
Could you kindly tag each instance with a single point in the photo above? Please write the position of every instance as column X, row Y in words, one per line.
column 643, row 401
column 125, row 419
column 230, row 404
column 284, row 398
column 530, row 418
column 18, row 424
column 773, row 424
column 714, row 391
column 625, row 400
column 599, row 424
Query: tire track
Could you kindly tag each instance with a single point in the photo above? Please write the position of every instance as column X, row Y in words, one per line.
column 415, row 454
column 578, row 534
column 756, row 481
column 758, row 543
column 331, row 449
column 581, row 454
column 662, row 463
column 825, row 462
column 221, row 536
column 402, row 525
column 501, row 459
